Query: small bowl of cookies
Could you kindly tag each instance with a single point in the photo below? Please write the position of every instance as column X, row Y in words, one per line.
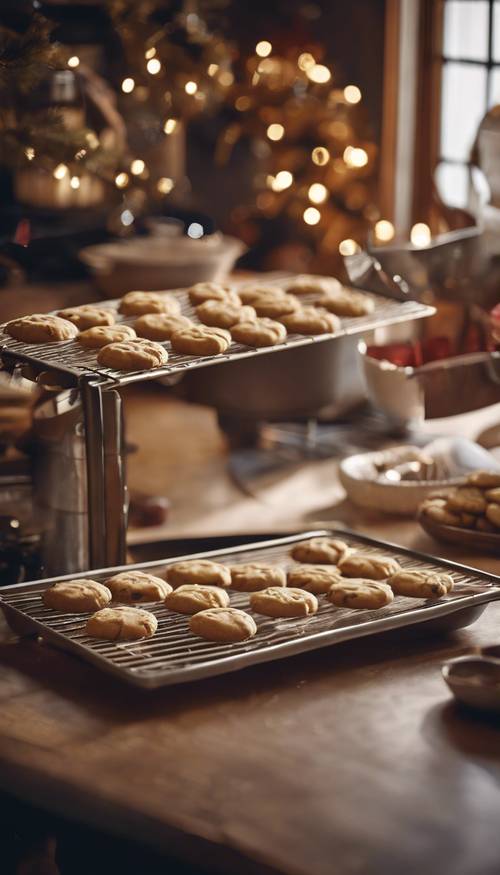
column 467, row 515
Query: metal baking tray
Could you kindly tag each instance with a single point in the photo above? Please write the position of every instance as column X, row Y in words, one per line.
column 71, row 359
column 175, row 656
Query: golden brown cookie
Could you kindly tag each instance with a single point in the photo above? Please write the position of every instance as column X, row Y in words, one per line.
column 313, row 578
column 321, row 551
column 137, row 303
column 225, row 625
column 133, row 587
column 252, row 576
column 102, row 335
column 41, row 328
column 493, row 495
column 310, row 320
column 133, row 355
column 160, row 326
column 466, row 499
column 308, row 284
column 367, row 566
column 484, row 479
column 212, row 292
column 420, row 584
column 272, row 306
column 259, row 332
column 76, row 596
column 122, row 624
column 493, row 514
column 440, row 514
column 250, row 293
column 199, row 571
column 345, row 302
column 277, row 601
column 360, row 593
column 222, row 314
column 193, row 597
column 88, row 316
column 200, row 340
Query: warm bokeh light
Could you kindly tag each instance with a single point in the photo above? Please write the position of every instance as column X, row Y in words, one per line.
column 195, row 230
column 263, row 48
column 137, row 166
column 317, row 193
column 319, row 74
column 29, row 152
column 320, row 156
column 242, row 103
column 121, row 180
column 191, row 87
column 348, row 247
column 384, row 230
column 305, row 61
column 153, row 66
column 126, row 218
column 275, row 131
column 311, row 216
column 150, row 53
column 212, row 69
column 75, row 182
column 92, row 139
column 128, row 85
column 355, row 157
column 352, row 94
column 60, row 171
column 420, row 235
column 282, row 180
column 165, row 185
column 170, row 125
column 74, row 61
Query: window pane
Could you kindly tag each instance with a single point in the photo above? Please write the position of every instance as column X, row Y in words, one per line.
column 496, row 31
column 495, row 87
column 466, row 30
column 452, row 184
column 463, row 106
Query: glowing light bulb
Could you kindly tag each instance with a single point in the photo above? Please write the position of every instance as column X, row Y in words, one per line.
column 352, row 94
column 150, row 53
column 165, row 185
column 191, row 87
column 263, row 48
column 318, row 74
column 384, row 230
column 121, row 180
column 320, row 156
column 29, row 152
column 74, row 61
column 75, row 182
column 311, row 216
column 275, row 131
column 195, row 230
column 355, row 157
column 128, row 85
column 137, row 166
column 282, row 180
column 317, row 193
column 153, row 66
column 60, row 171
column 348, row 247
column 420, row 235
column 305, row 61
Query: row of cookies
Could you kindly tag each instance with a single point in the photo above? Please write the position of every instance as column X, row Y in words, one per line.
column 476, row 505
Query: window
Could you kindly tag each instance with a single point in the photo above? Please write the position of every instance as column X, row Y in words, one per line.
column 470, row 85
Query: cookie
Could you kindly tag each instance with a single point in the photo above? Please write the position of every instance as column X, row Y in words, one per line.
column 199, row 571
column 223, row 624
column 259, row 332
column 160, row 326
column 222, row 314
column 76, row 596
column 370, row 567
column 132, row 587
column 137, row 303
column 212, row 292
column 323, row 551
column 308, row 284
column 88, row 316
column 121, row 624
column 102, row 335
column 253, row 576
column 439, row 514
column 200, row 340
column 272, row 306
column 250, row 293
column 313, row 578
column 466, row 499
column 484, row 479
column 133, row 355
column 493, row 514
column 194, row 597
column 493, row 495
column 310, row 320
column 41, row 328
column 360, row 593
column 277, row 601
column 344, row 302
column 420, row 584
